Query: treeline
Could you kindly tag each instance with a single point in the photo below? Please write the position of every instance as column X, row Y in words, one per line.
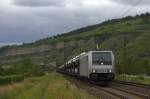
column 20, row 70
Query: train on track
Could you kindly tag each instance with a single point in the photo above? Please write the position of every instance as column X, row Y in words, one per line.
column 97, row 66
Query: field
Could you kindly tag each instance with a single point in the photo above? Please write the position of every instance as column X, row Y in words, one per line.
column 50, row 86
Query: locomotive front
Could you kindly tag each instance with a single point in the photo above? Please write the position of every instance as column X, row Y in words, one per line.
column 101, row 66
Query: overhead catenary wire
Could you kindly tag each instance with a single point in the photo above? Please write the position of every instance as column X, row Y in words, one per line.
column 126, row 11
column 132, row 7
column 122, row 9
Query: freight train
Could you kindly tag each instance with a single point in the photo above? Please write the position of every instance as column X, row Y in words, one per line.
column 97, row 66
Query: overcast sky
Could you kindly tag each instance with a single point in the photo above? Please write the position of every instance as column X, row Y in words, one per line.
column 30, row 20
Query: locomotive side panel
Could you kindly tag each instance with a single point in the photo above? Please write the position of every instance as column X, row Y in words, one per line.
column 84, row 66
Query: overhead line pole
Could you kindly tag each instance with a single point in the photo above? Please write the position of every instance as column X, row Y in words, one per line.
column 64, row 52
column 125, row 55
column 96, row 43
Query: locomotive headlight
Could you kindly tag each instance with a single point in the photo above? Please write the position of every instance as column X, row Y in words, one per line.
column 110, row 70
column 93, row 70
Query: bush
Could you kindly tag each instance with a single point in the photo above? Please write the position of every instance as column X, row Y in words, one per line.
column 38, row 71
column 140, row 77
column 5, row 80
column 10, row 79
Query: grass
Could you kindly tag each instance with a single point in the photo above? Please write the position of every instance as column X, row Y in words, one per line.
column 51, row 86
column 14, row 90
column 136, row 79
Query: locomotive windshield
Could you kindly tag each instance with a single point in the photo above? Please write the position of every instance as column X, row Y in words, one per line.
column 101, row 58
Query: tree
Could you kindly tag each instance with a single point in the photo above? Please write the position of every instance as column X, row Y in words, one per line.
column 1, row 71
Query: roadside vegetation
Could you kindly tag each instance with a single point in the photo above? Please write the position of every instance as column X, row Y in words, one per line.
column 141, row 79
column 50, row 86
column 10, row 79
column 19, row 71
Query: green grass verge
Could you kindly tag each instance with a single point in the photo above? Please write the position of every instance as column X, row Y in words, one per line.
column 136, row 79
column 51, row 86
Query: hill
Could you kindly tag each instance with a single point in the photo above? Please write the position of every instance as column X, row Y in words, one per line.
column 128, row 38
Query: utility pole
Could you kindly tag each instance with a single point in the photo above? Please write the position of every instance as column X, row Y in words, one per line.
column 65, row 52
column 125, row 51
column 96, row 43
column 125, row 54
column 98, row 39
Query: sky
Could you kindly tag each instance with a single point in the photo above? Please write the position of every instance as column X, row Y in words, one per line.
column 30, row 20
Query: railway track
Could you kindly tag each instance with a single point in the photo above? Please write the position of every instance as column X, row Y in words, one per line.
column 136, row 89
column 117, row 90
column 120, row 94
column 133, row 84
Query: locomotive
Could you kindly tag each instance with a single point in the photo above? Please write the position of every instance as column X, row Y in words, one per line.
column 97, row 66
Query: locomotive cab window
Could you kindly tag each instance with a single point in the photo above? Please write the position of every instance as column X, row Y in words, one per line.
column 99, row 58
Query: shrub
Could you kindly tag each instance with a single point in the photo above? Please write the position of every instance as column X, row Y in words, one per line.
column 10, row 79
column 140, row 77
column 5, row 80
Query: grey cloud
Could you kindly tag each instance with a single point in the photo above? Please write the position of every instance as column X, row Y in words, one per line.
column 26, row 24
column 39, row 3
column 132, row 2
